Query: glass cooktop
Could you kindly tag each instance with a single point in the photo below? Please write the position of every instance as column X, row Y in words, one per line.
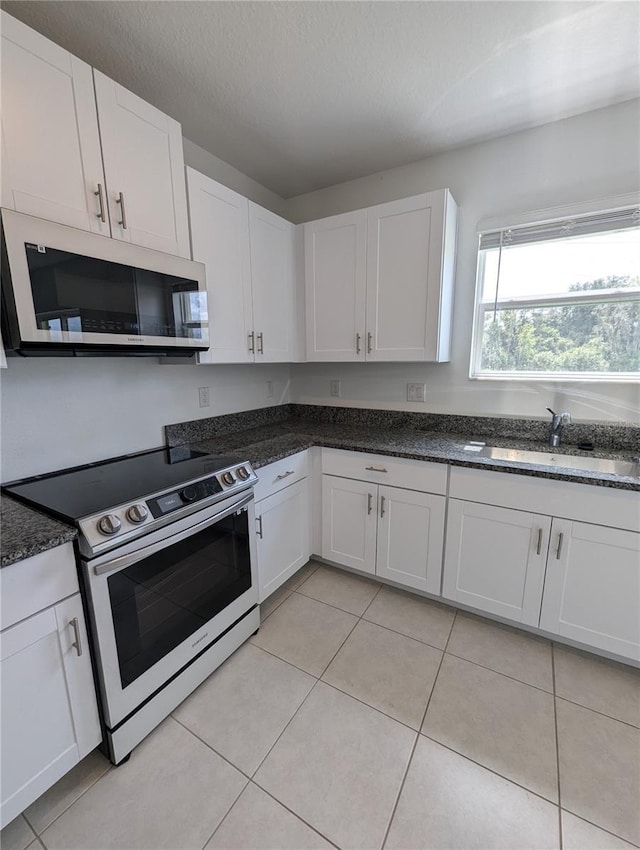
column 74, row 493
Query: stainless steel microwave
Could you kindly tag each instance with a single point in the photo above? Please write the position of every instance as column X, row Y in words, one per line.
column 68, row 291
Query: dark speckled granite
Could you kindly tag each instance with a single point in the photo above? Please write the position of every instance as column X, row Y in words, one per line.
column 214, row 426
column 273, row 442
column 26, row 532
column 606, row 436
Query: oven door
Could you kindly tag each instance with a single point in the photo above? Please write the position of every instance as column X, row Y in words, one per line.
column 158, row 603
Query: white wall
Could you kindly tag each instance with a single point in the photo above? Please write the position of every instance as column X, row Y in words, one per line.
column 59, row 412
column 222, row 172
column 576, row 160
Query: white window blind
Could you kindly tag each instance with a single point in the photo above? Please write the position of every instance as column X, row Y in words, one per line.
column 562, row 228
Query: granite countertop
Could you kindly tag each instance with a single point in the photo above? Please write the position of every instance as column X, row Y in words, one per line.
column 269, row 443
column 27, row 532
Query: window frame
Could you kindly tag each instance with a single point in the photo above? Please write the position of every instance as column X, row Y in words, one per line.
column 481, row 308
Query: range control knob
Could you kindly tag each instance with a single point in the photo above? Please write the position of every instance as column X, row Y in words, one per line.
column 137, row 513
column 109, row 524
column 242, row 472
column 227, row 478
column 189, row 494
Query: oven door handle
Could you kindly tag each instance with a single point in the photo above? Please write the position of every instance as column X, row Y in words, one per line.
column 139, row 554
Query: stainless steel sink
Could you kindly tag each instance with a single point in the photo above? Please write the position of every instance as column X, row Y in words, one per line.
column 553, row 459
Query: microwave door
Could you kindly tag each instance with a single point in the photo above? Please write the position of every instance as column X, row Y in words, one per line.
column 73, row 288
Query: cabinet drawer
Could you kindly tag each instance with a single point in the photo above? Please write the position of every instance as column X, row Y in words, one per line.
column 382, row 469
column 28, row 586
column 582, row 502
column 280, row 474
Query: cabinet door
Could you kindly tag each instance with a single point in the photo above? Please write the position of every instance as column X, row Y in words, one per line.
column 592, row 587
column 349, row 520
column 404, row 277
column 143, row 160
column 282, row 522
column 495, row 559
column 272, row 276
column 410, row 538
column 220, row 239
column 51, row 159
column 49, row 715
column 335, row 284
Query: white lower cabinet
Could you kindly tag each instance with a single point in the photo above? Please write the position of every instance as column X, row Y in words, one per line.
column 349, row 523
column 576, row 576
column 410, row 538
column 386, row 531
column 592, row 588
column 49, row 712
column 282, row 526
column 495, row 559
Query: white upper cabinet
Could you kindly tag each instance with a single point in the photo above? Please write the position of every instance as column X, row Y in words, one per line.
column 220, row 239
column 410, row 258
column 143, row 163
column 272, row 279
column 55, row 141
column 398, row 259
column 335, row 252
column 51, row 159
column 249, row 257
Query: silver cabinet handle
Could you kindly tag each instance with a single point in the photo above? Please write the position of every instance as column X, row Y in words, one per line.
column 375, row 469
column 260, row 343
column 284, row 475
column 539, row 544
column 381, row 506
column 259, row 528
column 369, row 502
column 358, row 338
column 252, row 346
column 123, row 220
column 100, row 195
column 75, row 625
column 369, row 339
column 559, row 549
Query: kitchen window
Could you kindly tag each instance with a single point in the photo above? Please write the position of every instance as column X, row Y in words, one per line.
column 560, row 299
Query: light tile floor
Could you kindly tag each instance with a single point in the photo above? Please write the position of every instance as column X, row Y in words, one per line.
column 364, row 717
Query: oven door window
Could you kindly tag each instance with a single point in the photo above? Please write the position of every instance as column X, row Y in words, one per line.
column 157, row 603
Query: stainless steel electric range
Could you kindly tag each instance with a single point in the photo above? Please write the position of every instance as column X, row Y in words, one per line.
column 166, row 553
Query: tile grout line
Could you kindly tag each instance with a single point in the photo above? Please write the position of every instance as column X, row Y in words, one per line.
column 415, row 743
column 602, row 828
column 600, row 713
column 227, row 813
column 491, row 770
column 500, row 673
column 208, row 746
column 57, row 817
column 555, row 724
column 280, row 803
column 295, row 713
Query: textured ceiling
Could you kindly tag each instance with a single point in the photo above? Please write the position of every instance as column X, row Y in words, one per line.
column 301, row 95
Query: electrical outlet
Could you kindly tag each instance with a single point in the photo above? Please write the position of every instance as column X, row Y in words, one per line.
column 334, row 388
column 203, row 396
column 269, row 388
column 416, row 392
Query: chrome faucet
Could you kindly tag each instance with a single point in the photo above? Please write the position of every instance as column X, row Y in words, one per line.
column 558, row 421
